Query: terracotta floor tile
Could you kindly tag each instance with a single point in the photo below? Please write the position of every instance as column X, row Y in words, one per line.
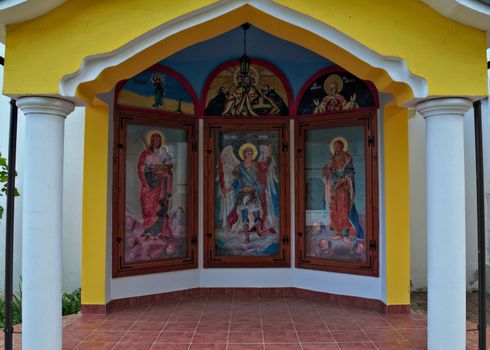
column 95, row 346
column 180, row 326
column 147, row 326
column 407, row 322
column 313, row 326
column 319, row 346
column 213, row 327
column 208, row 347
column 393, row 345
column 110, row 325
column 345, row 325
column 384, row 335
column 280, row 337
column 350, row 336
column 278, row 327
column 245, row 347
column 140, row 337
column 175, row 337
column 246, row 337
column 282, row 346
column 167, row 346
column 67, row 345
column 210, row 338
column 133, row 346
column 245, row 326
column 75, row 335
column 356, row 346
column 104, row 336
column 315, row 337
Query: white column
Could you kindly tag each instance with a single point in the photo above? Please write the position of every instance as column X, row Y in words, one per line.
column 42, row 221
column 445, row 222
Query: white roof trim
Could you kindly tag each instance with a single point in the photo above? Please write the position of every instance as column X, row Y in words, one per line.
column 15, row 11
column 473, row 13
column 92, row 66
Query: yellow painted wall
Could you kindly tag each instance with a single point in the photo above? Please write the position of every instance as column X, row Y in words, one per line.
column 94, row 209
column 397, row 201
column 449, row 55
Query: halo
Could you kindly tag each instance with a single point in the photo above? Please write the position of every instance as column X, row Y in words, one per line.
column 245, row 146
column 253, row 72
column 150, row 133
column 333, row 79
column 341, row 139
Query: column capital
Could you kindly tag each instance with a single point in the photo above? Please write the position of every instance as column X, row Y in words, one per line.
column 45, row 105
column 444, row 106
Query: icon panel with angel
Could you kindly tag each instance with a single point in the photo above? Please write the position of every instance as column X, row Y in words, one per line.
column 247, row 194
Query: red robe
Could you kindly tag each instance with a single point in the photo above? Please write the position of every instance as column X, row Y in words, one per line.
column 154, row 199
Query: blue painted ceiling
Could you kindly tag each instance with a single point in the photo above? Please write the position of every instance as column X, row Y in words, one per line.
column 196, row 62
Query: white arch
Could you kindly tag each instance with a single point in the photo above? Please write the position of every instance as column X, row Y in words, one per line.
column 92, row 66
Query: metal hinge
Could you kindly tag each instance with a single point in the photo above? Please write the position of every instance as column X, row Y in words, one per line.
column 371, row 141
column 194, row 146
column 284, row 146
column 120, row 145
column 194, row 240
column 285, row 240
column 372, row 244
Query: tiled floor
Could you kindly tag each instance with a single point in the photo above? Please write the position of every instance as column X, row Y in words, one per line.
column 247, row 323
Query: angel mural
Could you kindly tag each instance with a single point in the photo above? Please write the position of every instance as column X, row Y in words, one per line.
column 248, row 191
column 155, row 174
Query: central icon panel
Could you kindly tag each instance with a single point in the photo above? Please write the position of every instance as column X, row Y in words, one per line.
column 247, row 194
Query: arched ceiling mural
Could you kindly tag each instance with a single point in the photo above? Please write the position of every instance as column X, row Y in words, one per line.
column 196, row 62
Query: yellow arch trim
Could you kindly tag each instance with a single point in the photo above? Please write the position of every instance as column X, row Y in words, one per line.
column 450, row 56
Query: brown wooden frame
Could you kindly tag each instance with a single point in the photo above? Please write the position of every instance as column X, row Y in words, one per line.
column 368, row 120
column 211, row 127
column 158, row 119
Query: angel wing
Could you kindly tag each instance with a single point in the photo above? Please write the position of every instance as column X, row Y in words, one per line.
column 272, row 181
column 227, row 165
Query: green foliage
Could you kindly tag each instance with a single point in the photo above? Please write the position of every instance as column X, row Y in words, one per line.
column 70, row 304
column 16, row 307
column 3, row 181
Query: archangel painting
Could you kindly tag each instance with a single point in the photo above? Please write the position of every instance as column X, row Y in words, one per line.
column 335, row 92
column 247, row 194
column 158, row 89
column 251, row 91
column 155, row 214
column 336, row 220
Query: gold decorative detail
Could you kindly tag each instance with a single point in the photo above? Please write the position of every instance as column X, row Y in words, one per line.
column 244, row 147
column 341, row 139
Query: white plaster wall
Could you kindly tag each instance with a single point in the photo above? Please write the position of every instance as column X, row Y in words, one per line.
column 337, row 283
column 418, row 186
column 418, row 220
column 72, row 196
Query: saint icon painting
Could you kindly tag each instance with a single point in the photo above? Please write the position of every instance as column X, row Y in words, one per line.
column 155, row 213
column 336, row 221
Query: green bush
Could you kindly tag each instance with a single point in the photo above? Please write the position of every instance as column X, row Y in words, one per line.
column 3, row 181
column 70, row 304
